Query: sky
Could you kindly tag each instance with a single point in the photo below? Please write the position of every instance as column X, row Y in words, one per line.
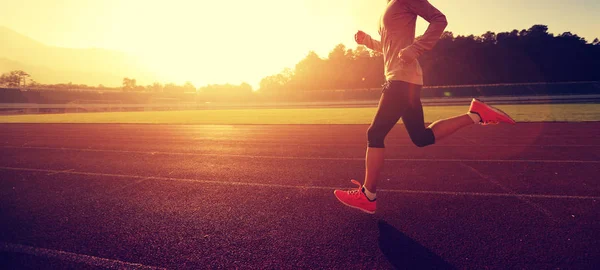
column 235, row 41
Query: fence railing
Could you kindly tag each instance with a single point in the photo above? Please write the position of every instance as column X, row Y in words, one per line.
column 112, row 107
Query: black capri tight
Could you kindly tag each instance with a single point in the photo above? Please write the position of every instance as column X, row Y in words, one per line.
column 400, row 99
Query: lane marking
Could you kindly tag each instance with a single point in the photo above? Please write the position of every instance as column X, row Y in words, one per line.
column 510, row 191
column 72, row 257
column 487, row 194
column 304, row 158
column 54, row 173
column 254, row 184
column 294, row 143
column 357, row 144
column 277, row 134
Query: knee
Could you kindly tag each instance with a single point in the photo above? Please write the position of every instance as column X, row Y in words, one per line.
column 424, row 139
column 420, row 143
column 375, row 137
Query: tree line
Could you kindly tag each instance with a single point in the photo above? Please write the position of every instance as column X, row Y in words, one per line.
column 19, row 78
column 525, row 56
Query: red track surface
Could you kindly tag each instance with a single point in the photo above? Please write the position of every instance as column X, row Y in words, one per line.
column 524, row 196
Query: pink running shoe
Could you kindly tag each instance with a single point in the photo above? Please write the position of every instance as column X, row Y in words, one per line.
column 356, row 198
column 489, row 114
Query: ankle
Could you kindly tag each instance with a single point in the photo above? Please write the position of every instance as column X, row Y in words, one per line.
column 372, row 196
column 475, row 117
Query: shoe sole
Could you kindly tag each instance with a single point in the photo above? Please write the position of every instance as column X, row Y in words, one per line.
column 511, row 121
column 352, row 206
column 498, row 111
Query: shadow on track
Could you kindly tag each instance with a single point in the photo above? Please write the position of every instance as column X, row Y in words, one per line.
column 404, row 253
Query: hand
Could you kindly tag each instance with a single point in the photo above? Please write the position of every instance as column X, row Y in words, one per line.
column 360, row 37
column 407, row 55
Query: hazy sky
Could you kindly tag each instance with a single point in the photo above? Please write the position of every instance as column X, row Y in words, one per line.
column 226, row 41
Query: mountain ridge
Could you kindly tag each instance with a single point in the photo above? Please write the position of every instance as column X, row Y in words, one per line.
column 51, row 64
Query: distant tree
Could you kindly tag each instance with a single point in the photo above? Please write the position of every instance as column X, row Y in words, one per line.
column 447, row 35
column 33, row 83
column 170, row 87
column 189, row 87
column 361, row 52
column 338, row 53
column 274, row 83
column 129, row 84
column 22, row 76
column 538, row 31
column 596, row 42
column 572, row 38
column 523, row 33
column 489, row 37
column 339, row 71
column 245, row 87
column 173, row 88
column 226, row 92
column 308, row 73
column 14, row 78
column 9, row 80
column 155, row 88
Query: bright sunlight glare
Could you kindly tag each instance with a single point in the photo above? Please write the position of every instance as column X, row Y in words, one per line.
column 224, row 41
column 235, row 41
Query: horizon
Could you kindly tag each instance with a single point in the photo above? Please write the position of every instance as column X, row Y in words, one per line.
column 193, row 53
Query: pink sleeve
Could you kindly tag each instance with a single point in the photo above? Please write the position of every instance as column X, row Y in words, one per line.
column 373, row 44
column 437, row 25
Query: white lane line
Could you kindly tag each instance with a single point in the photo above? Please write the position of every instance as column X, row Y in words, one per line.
column 510, row 191
column 72, row 257
column 357, row 144
column 53, row 173
column 264, row 136
column 254, row 184
column 486, row 194
column 172, row 179
column 305, row 158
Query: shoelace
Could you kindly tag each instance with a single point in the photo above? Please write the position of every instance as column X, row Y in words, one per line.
column 357, row 191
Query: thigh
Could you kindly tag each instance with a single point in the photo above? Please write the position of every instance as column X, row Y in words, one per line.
column 392, row 104
column 413, row 117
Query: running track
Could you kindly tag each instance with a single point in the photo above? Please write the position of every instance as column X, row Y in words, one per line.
column 260, row 197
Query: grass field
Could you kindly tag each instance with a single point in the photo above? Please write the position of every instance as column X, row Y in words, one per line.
column 521, row 113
